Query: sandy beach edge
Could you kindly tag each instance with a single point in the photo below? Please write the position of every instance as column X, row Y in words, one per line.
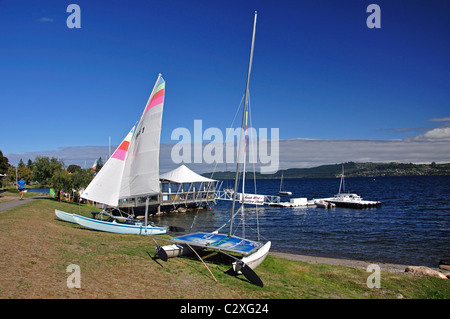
column 397, row 268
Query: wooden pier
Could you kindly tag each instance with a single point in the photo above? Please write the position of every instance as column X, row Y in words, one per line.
column 179, row 188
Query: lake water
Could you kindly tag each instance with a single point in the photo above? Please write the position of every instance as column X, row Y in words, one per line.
column 38, row 190
column 411, row 227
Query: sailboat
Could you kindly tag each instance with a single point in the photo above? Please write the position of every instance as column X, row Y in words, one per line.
column 350, row 200
column 253, row 252
column 131, row 171
column 282, row 192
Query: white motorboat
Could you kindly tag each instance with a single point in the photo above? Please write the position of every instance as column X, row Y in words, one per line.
column 350, row 200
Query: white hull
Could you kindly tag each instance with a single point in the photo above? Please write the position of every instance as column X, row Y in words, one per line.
column 324, row 204
column 255, row 259
column 287, row 204
column 119, row 228
column 351, row 201
column 65, row 216
column 177, row 250
column 294, row 202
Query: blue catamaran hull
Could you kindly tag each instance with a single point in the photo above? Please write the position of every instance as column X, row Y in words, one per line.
column 119, row 227
column 67, row 217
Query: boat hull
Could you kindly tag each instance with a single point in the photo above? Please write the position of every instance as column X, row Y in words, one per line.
column 255, row 259
column 357, row 205
column 324, row 204
column 178, row 250
column 119, row 227
column 65, row 216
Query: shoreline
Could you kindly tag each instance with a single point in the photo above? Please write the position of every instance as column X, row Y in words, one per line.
column 396, row 268
column 361, row 264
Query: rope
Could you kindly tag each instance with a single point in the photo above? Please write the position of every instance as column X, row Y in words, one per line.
column 202, row 261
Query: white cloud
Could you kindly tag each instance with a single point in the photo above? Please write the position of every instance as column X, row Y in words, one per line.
column 293, row 153
column 438, row 133
column 441, row 119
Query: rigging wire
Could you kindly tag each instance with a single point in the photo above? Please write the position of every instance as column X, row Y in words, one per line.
column 227, row 135
column 254, row 168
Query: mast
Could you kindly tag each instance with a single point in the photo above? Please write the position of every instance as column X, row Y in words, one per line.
column 243, row 132
column 281, row 183
column 342, row 184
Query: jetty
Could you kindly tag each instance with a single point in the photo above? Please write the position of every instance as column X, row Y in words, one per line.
column 179, row 188
column 255, row 199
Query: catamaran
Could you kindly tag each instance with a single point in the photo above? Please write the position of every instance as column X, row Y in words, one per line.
column 131, row 171
column 253, row 252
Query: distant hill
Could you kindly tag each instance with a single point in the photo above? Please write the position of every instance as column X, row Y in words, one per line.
column 352, row 169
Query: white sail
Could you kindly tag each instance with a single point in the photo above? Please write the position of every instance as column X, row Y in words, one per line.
column 141, row 172
column 133, row 169
column 105, row 186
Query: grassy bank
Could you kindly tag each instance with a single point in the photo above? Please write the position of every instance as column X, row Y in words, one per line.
column 37, row 248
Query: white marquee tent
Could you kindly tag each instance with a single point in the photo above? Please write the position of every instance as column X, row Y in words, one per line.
column 182, row 174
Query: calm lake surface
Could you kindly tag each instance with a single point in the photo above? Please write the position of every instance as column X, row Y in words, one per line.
column 411, row 227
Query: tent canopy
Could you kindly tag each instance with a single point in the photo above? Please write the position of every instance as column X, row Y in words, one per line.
column 183, row 174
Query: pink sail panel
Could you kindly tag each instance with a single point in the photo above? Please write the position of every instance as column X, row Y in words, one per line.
column 121, row 151
column 157, row 98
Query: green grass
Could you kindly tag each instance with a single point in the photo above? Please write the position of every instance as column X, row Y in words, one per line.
column 120, row 266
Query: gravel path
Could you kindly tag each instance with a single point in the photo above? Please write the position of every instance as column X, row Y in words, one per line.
column 14, row 203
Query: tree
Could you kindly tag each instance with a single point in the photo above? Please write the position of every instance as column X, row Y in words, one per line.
column 30, row 164
column 73, row 168
column 11, row 175
column 44, row 168
column 4, row 166
column 4, row 163
column 24, row 171
column 61, row 181
column 99, row 165
column 81, row 179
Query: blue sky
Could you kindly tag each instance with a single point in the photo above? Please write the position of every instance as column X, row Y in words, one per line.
column 318, row 71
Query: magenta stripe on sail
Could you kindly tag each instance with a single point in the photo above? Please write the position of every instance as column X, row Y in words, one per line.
column 119, row 154
column 154, row 102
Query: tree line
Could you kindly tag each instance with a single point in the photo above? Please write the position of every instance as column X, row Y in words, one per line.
column 352, row 169
column 48, row 172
